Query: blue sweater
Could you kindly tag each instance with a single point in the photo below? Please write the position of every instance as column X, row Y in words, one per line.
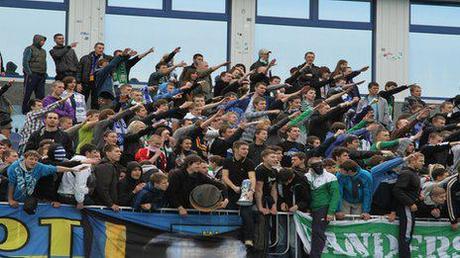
column 24, row 181
column 364, row 191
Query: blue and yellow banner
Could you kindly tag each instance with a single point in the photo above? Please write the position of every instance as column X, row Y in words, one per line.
column 49, row 233
column 68, row 232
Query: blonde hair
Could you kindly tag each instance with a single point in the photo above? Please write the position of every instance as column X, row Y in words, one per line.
column 135, row 127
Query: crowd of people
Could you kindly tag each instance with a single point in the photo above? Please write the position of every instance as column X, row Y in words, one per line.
column 309, row 143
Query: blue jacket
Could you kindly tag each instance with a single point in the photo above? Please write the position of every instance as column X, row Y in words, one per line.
column 104, row 79
column 383, row 172
column 152, row 195
column 24, row 181
column 163, row 92
column 364, row 180
column 341, row 138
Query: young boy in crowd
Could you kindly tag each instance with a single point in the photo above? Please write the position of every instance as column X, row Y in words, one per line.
column 152, row 197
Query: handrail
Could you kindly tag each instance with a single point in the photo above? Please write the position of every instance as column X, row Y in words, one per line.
column 127, row 208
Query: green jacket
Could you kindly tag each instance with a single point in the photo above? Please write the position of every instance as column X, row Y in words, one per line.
column 324, row 191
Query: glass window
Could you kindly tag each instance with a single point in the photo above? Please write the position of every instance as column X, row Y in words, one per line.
column 435, row 68
column 341, row 10
column 329, row 45
column 435, row 15
column 150, row 4
column 208, row 6
column 12, row 20
column 277, row 8
column 164, row 35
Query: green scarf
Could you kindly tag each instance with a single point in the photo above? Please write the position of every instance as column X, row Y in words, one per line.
column 121, row 74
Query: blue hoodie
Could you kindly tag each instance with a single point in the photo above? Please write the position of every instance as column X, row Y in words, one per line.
column 364, row 180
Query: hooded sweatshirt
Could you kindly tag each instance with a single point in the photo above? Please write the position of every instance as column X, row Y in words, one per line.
column 127, row 185
column 34, row 58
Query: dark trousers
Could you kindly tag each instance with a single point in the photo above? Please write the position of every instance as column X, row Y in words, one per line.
column 33, row 83
column 247, row 217
column 89, row 89
column 318, row 229
column 406, row 229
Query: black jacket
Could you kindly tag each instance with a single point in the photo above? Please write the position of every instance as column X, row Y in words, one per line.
column 65, row 59
column 320, row 124
column 181, row 183
column 299, row 188
column 220, row 146
column 106, row 191
column 58, row 136
column 84, row 67
column 127, row 185
column 407, row 188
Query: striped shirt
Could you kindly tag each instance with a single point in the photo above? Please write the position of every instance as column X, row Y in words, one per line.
column 34, row 121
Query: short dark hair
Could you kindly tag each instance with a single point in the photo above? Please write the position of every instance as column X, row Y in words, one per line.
column 267, row 152
column 284, row 175
column 195, row 56
column 350, row 139
column 238, row 144
column 312, row 138
column 438, row 172
column 349, row 165
column 438, row 116
column 7, row 153
column 109, row 148
column 329, row 162
column 87, row 148
column 338, row 126
column 161, row 64
column 50, row 112
column 57, row 35
column 309, row 52
column 275, row 148
column 371, row 84
column 190, row 159
column 223, row 129
column 299, row 155
column 99, row 43
column 274, row 77
column 339, row 151
column 216, row 159
column 390, row 83
column 32, row 102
